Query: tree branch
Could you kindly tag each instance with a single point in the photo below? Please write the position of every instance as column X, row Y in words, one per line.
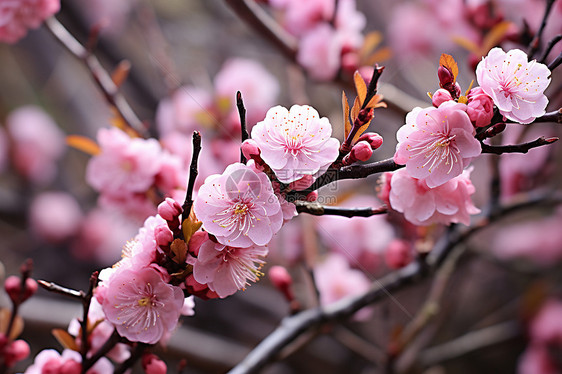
column 517, row 148
column 243, row 128
column 98, row 73
column 549, row 47
column 317, row 209
column 294, row 326
column 536, row 42
column 193, row 171
column 53, row 287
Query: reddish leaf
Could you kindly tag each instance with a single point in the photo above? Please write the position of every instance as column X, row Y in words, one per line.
column 345, row 107
column 360, row 87
column 66, row 340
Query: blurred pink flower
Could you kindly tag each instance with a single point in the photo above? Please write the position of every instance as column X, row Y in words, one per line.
column 51, row 361
column 336, row 280
column 258, row 87
column 18, row 16
column 112, row 14
column 227, row 269
column 480, row 107
column 239, row 207
column 37, row 143
column 125, row 165
column 320, row 52
column 440, row 96
column 141, row 305
column 436, row 144
column 353, row 237
column 185, row 111
column 295, row 142
column 301, row 16
column 4, row 150
column 152, row 364
column 55, row 216
column 421, row 205
column 516, row 85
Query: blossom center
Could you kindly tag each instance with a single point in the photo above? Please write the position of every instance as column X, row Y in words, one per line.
column 145, row 301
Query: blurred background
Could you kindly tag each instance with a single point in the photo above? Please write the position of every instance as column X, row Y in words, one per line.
column 187, row 59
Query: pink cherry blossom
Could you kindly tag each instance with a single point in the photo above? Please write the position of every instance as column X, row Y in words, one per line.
column 37, row 143
column 336, row 280
column 480, row 107
column 440, row 96
column 320, row 52
column 125, row 165
column 228, row 269
column 258, row 87
column 421, row 205
column 239, row 207
column 515, row 84
column 185, row 111
column 295, row 142
column 301, row 16
column 18, row 16
column 51, row 361
column 55, row 216
column 436, row 144
column 141, row 305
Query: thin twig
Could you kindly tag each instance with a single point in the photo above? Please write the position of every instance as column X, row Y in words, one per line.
column 109, row 344
column 193, row 171
column 243, row 129
column 555, row 63
column 317, row 209
column 86, row 301
column 53, row 287
column 294, row 326
column 536, row 42
column 518, row 148
column 99, row 74
column 549, row 47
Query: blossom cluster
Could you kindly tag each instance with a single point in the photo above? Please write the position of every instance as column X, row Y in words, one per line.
column 18, row 16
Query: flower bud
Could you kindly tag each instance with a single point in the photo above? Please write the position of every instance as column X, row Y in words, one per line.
column 282, row 280
column 12, row 284
column 16, row 351
column 250, row 149
column 152, row 364
column 446, row 77
column 398, row 254
column 313, row 196
column 374, row 139
column 480, row 107
column 169, row 209
column 197, row 239
column 361, row 151
column 163, row 236
column 440, row 96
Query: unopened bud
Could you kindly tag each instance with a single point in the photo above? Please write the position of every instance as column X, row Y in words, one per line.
column 250, row 149
column 163, row 236
column 361, row 151
column 494, row 130
column 440, row 96
column 282, row 280
column 197, row 239
column 169, row 209
column 16, row 351
column 398, row 254
column 446, row 77
column 152, row 364
column 313, row 196
column 374, row 139
column 12, row 284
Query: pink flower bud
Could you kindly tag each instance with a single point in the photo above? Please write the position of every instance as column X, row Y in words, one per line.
column 169, row 209
column 163, row 236
column 250, row 149
column 197, row 239
column 69, row 367
column 313, row 196
column 195, row 288
column 440, row 96
column 374, row 139
column 398, row 254
column 362, row 151
column 446, row 77
column 152, row 364
column 16, row 351
column 281, row 279
column 12, row 284
column 480, row 107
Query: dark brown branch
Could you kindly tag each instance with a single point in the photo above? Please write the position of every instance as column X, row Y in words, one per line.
column 259, row 20
column 104, row 349
column 53, row 287
column 317, row 209
column 86, row 301
column 517, row 148
column 549, row 47
column 294, row 326
column 536, row 42
column 99, row 74
column 193, row 171
column 243, row 129
column 555, row 63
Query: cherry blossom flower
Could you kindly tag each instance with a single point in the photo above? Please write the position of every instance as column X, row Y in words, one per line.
column 55, row 216
column 515, row 84
column 336, row 280
column 141, row 305
column 320, row 52
column 436, row 144
column 37, row 143
column 239, row 207
column 51, row 361
column 295, row 142
column 125, row 165
column 422, row 205
column 228, row 269
column 18, row 16
column 301, row 16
